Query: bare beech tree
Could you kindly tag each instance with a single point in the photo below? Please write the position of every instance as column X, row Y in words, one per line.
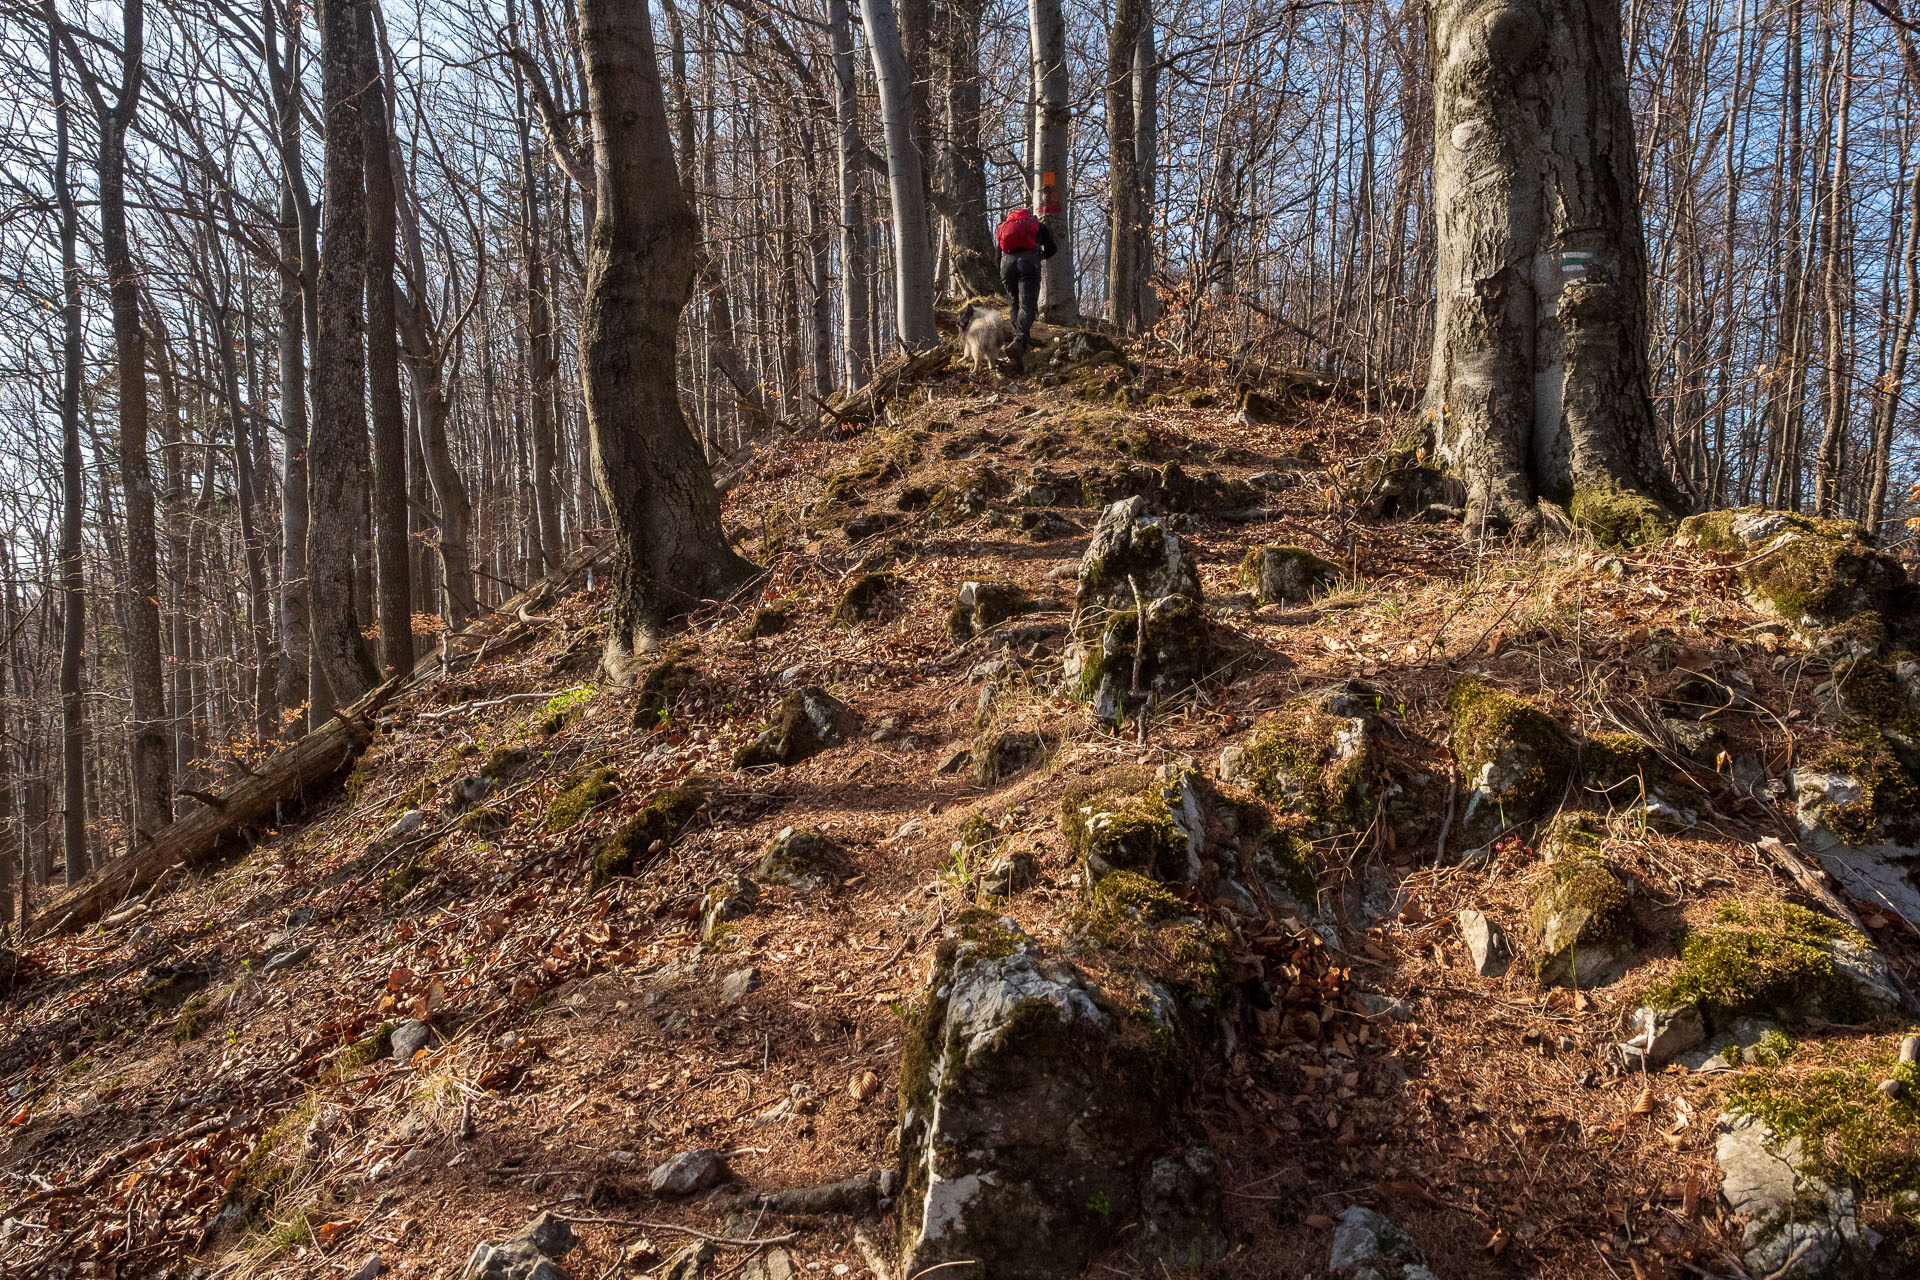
column 1539, row 385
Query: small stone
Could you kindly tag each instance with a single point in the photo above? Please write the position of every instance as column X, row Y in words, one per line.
column 287, row 959
column 775, row 1264
column 726, row 901
column 1661, row 1034
column 735, row 986
column 1382, row 1006
column 409, row 1038
column 689, row 1172
column 956, row 759
column 372, row 1267
column 1486, row 943
column 1369, row 1246
column 690, row 1263
column 404, row 825
column 471, row 790
column 793, row 674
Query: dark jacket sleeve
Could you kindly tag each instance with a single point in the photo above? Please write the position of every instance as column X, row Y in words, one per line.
column 1047, row 247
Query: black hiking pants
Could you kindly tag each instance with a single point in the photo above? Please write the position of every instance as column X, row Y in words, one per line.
column 1020, row 273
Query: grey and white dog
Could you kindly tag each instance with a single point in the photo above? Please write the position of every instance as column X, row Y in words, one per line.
column 984, row 335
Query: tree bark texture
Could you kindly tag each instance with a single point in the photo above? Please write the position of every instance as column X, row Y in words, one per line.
column 670, row 550
column 1538, row 387
column 1052, row 124
column 912, row 256
column 853, row 219
column 73, row 590
column 392, row 559
column 337, row 449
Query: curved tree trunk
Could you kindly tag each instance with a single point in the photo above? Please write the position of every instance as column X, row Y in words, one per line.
column 670, row 550
column 913, row 260
column 337, row 451
column 1538, row 388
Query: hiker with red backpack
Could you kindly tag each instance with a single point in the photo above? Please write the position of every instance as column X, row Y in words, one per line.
column 1024, row 242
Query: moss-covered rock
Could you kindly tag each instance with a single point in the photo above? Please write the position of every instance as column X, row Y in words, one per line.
column 1101, row 671
column 1620, row 517
column 768, row 620
column 1621, row 766
column 646, row 834
column 1312, row 761
column 806, row 723
column 1513, row 757
column 1856, row 791
column 663, row 684
column 1583, row 920
column 799, row 856
column 886, row 457
column 487, row 820
column 1032, row 1109
column 580, row 795
column 1139, row 927
column 1048, row 487
column 1849, row 1129
column 979, row 607
column 725, row 901
column 1778, row 960
column 1286, row 575
column 861, row 601
column 1132, row 554
column 1802, row 569
column 1120, row 822
column 502, row 762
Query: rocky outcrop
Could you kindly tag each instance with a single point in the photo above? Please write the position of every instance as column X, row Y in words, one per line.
column 1035, row 1114
column 1796, row 1224
column 1312, row 759
column 1141, row 630
column 1809, row 572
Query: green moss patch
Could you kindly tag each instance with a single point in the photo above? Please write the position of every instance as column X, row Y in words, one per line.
column 979, row 607
column 1829, row 1097
column 663, row 684
column 885, row 458
column 1770, row 958
column 1888, row 801
column 487, row 820
column 1177, row 647
column 1619, row 517
column 1827, row 571
column 1583, row 919
column 502, row 761
column 580, row 796
column 646, row 834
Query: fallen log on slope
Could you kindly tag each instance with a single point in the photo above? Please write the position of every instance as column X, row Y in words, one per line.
column 292, row 779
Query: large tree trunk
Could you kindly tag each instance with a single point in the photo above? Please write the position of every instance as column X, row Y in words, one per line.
column 337, row 451
column 670, row 550
column 913, row 261
column 392, row 557
column 299, row 263
column 968, row 225
column 1539, row 385
column 153, row 803
column 853, row 217
column 1146, row 141
column 1123, row 166
column 73, row 590
column 1053, row 119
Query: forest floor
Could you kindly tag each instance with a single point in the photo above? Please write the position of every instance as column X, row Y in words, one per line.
column 174, row 1105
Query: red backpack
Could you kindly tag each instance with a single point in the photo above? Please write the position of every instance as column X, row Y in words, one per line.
column 1020, row 230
